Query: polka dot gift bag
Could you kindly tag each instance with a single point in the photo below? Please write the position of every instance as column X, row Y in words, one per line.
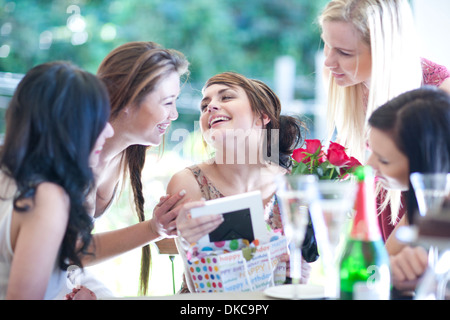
column 237, row 265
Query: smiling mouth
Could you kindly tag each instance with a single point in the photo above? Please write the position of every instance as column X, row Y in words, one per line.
column 163, row 127
column 337, row 75
column 218, row 119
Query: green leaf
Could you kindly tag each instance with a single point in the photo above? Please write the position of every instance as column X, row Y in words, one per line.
column 299, row 168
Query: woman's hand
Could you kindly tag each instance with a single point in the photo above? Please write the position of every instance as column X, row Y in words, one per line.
column 80, row 293
column 407, row 266
column 165, row 213
column 192, row 229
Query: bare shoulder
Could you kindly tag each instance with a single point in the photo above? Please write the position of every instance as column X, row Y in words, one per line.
column 48, row 214
column 445, row 85
column 51, row 196
column 184, row 179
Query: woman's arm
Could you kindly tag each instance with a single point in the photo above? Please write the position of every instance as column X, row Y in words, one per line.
column 408, row 266
column 407, row 263
column 445, row 85
column 36, row 239
column 186, row 226
column 112, row 243
column 394, row 246
column 191, row 229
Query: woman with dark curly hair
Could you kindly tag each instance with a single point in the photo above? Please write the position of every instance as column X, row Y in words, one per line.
column 56, row 126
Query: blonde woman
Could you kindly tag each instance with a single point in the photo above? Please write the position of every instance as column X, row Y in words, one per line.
column 371, row 57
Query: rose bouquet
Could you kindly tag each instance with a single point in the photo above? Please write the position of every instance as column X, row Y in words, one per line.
column 334, row 164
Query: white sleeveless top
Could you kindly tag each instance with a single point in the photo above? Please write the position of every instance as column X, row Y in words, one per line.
column 58, row 276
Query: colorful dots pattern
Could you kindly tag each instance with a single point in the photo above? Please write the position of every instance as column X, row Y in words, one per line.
column 205, row 274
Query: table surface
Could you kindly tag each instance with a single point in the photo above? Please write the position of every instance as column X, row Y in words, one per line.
column 257, row 295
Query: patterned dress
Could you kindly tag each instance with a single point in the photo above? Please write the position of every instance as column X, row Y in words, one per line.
column 272, row 217
column 272, row 214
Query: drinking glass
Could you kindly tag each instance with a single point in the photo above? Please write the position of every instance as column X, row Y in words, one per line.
column 295, row 194
column 331, row 214
column 431, row 190
column 435, row 233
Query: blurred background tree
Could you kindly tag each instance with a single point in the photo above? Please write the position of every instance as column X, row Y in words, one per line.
column 216, row 36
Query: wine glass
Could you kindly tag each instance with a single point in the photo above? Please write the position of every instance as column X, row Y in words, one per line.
column 435, row 283
column 295, row 194
column 330, row 214
column 431, row 190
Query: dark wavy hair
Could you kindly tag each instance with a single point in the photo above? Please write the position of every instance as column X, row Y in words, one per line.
column 131, row 72
column 52, row 123
column 419, row 123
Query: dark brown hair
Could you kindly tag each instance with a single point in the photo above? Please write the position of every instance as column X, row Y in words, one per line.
column 419, row 123
column 264, row 101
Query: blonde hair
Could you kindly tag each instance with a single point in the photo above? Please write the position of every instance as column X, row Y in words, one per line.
column 387, row 26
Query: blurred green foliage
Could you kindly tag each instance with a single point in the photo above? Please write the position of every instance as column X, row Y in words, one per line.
column 244, row 36
column 215, row 35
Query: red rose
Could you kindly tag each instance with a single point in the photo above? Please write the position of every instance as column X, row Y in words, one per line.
column 350, row 167
column 303, row 154
column 353, row 163
column 299, row 154
column 336, row 146
column 312, row 145
column 335, row 164
column 336, row 155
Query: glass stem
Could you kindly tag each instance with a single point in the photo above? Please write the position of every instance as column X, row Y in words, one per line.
column 296, row 269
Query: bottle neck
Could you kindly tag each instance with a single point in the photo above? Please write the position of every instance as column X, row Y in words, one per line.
column 365, row 223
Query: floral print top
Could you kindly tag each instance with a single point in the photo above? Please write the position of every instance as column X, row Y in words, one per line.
column 272, row 214
column 433, row 73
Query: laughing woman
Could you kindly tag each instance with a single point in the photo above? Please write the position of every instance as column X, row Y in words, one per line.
column 234, row 107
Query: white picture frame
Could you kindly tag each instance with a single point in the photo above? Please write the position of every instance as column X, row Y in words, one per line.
column 246, row 209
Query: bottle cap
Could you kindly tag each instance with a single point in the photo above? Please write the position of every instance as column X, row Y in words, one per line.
column 363, row 172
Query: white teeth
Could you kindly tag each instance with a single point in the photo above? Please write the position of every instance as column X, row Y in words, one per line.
column 219, row 118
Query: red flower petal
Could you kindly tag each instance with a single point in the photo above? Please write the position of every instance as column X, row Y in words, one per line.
column 337, row 157
column 312, row 145
column 299, row 154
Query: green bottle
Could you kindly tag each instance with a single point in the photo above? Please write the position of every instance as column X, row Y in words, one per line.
column 364, row 265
